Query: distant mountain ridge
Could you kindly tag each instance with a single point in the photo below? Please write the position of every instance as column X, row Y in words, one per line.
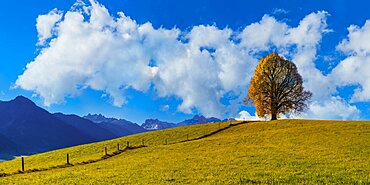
column 120, row 127
column 198, row 120
column 155, row 124
column 99, row 118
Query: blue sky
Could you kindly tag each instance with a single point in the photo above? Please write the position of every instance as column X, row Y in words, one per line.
column 160, row 97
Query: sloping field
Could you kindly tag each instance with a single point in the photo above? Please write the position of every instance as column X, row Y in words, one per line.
column 285, row 151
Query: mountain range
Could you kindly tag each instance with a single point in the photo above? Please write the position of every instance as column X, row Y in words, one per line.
column 27, row 129
column 155, row 124
column 119, row 127
column 31, row 129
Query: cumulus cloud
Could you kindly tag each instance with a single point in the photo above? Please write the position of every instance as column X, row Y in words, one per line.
column 263, row 34
column 91, row 54
column 87, row 47
column 45, row 25
column 245, row 116
column 93, row 49
column 356, row 43
column 333, row 108
column 354, row 70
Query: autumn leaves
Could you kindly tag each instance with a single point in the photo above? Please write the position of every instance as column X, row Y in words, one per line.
column 276, row 88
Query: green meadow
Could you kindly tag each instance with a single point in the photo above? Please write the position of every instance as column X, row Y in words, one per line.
column 284, row 151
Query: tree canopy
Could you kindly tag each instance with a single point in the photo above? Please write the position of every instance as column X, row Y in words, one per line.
column 276, row 87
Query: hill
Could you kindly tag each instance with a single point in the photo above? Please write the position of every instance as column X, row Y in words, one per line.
column 285, row 151
column 28, row 129
column 7, row 148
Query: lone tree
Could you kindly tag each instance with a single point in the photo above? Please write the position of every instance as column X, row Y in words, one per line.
column 276, row 87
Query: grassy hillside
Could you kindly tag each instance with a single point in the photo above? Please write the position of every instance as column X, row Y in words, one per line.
column 286, row 151
column 95, row 151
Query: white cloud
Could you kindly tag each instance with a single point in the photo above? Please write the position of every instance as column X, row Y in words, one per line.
column 89, row 54
column 245, row 116
column 261, row 35
column 307, row 37
column 92, row 49
column 357, row 42
column 45, row 25
column 87, row 47
column 354, row 70
column 331, row 109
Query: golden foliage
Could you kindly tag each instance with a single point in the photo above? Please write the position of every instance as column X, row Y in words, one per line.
column 276, row 87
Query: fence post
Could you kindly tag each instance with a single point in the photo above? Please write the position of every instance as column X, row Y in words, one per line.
column 105, row 150
column 67, row 158
column 22, row 164
column 118, row 147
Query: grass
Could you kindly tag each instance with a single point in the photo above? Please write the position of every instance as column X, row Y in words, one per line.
column 285, row 151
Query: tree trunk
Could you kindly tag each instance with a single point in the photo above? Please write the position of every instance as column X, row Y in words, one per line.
column 273, row 116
